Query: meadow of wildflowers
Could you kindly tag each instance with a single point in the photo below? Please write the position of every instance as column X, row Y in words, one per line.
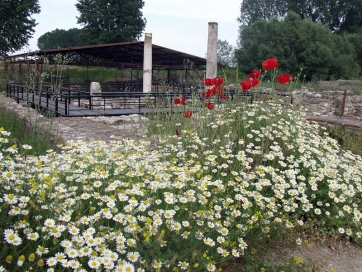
column 192, row 201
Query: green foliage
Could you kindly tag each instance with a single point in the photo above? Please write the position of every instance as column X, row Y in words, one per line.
column 225, row 53
column 252, row 11
column 340, row 16
column 89, row 74
column 17, row 26
column 22, row 132
column 347, row 139
column 60, row 38
column 111, row 21
column 353, row 17
column 356, row 40
column 232, row 75
column 335, row 13
column 299, row 44
column 2, row 77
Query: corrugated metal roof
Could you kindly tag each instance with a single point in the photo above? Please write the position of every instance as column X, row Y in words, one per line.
column 115, row 54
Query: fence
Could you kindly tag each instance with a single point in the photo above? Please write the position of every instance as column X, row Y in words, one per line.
column 76, row 100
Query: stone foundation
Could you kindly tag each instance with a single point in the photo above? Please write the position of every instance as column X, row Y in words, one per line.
column 330, row 103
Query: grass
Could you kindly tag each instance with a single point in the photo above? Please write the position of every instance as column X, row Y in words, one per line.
column 348, row 140
column 24, row 132
column 2, row 76
column 36, row 135
column 89, row 74
column 339, row 85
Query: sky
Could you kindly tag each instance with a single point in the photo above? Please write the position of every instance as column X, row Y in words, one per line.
column 181, row 25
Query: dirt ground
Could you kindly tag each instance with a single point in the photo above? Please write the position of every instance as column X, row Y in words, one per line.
column 338, row 256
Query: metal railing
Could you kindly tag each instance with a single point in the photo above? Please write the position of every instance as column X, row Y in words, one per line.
column 66, row 101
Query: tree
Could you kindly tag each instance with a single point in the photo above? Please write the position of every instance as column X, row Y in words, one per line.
column 254, row 10
column 16, row 26
column 353, row 17
column 225, row 53
column 297, row 44
column 356, row 40
column 340, row 15
column 60, row 38
column 111, row 21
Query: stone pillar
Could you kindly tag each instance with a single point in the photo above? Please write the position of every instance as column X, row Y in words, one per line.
column 95, row 88
column 211, row 62
column 147, row 63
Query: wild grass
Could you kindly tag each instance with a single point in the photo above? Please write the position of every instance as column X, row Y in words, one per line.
column 22, row 132
column 2, row 76
column 89, row 74
column 349, row 140
column 338, row 85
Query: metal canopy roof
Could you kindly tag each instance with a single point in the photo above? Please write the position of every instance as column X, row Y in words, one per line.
column 116, row 54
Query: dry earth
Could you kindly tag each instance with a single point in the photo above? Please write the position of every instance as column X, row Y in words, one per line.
column 339, row 256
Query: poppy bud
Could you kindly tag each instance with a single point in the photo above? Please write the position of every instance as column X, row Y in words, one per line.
column 188, row 114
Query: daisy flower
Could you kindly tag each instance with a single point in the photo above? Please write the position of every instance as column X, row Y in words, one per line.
column 41, row 250
column 133, row 256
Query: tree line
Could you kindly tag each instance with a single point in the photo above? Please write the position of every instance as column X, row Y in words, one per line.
column 340, row 15
column 323, row 38
column 102, row 21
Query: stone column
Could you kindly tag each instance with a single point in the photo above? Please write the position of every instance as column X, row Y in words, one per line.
column 95, row 88
column 211, row 62
column 147, row 63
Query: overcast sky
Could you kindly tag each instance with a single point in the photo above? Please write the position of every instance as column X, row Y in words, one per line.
column 176, row 24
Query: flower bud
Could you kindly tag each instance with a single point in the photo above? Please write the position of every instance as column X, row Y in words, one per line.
column 9, row 259
column 21, row 260
column 31, row 257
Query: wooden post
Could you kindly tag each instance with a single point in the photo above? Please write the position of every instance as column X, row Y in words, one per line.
column 343, row 102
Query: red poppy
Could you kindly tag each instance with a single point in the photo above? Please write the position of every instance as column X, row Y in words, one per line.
column 270, row 64
column 254, row 74
column 249, row 83
column 183, row 101
column 219, row 80
column 284, row 78
column 223, row 96
column 209, row 105
column 209, row 93
column 219, row 89
column 188, row 114
column 177, row 101
column 206, row 95
column 212, row 91
column 207, row 82
column 213, row 81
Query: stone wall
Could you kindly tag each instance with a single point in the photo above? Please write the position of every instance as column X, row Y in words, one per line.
column 330, row 103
